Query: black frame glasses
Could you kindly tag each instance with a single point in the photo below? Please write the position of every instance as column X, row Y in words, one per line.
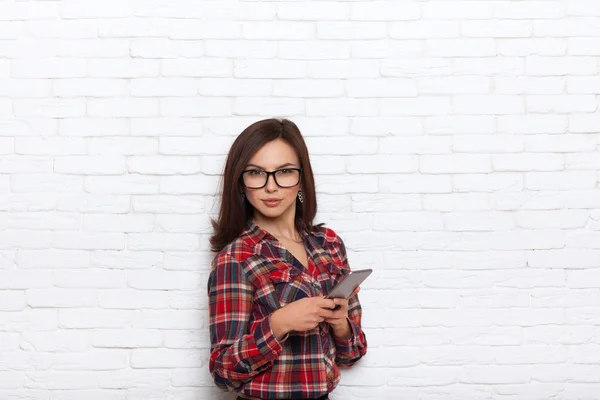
column 273, row 173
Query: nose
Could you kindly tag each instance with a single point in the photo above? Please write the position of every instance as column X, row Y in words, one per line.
column 271, row 185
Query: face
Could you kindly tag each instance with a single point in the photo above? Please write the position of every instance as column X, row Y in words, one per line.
column 273, row 201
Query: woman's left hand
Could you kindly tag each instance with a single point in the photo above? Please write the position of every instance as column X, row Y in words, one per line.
column 339, row 321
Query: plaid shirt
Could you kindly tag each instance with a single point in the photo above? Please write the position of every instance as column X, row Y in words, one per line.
column 251, row 278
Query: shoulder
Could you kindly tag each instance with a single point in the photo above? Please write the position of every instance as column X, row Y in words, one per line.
column 236, row 252
column 328, row 238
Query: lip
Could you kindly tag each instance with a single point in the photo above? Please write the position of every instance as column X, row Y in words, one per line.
column 271, row 202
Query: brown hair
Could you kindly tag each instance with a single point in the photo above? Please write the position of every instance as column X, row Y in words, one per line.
column 236, row 210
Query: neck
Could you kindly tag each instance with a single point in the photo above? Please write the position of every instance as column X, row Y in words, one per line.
column 284, row 225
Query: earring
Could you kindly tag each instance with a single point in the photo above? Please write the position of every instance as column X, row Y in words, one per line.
column 243, row 197
column 300, row 196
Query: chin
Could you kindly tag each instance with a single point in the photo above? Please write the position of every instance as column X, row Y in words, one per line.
column 271, row 213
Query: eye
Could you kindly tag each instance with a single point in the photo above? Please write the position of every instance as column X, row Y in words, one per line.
column 285, row 171
column 256, row 172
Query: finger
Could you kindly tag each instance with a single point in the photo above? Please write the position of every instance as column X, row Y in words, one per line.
column 343, row 303
column 326, row 303
column 325, row 313
column 355, row 292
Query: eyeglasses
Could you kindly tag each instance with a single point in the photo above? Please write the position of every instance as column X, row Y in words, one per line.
column 284, row 178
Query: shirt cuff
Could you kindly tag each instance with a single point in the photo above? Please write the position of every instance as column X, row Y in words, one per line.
column 267, row 342
column 346, row 345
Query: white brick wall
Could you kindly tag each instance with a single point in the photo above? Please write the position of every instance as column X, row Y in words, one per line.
column 456, row 148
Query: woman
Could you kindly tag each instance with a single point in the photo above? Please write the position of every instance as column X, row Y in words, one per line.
column 273, row 334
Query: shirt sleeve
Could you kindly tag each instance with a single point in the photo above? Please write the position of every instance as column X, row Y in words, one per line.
column 349, row 351
column 237, row 355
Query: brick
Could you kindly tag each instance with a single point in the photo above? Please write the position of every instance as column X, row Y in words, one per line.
column 198, row 107
column 415, row 145
column 132, row 27
column 566, row 27
column 49, row 108
column 120, row 185
column 109, row 9
column 93, row 127
column 528, row 162
column 387, row 49
column 126, row 338
column 307, row 88
column 90, row 165
column 340, row 69
column 163, row 87
column 420, row 106
column 567, row 180
column 12, row 300
column 91, row 203
column 533, row 124
column 415, row 183
column 61, row 298
column 90, row 88
column 125, row 259
column 255, row 49
column 584, row 46
column 27, row 11
column 522, row 47
column 384, row 11
column 118, row 223
column 346, row 30
column 313, row 12
column 203, row 29
column 423, row 29
column 488, row 144
column 169, row 319
column 162, row 241
column 36, row 183
column 568, row 143
column 162, row 48
column 44, row 221
column 122, row 146
column 314, row 50
column 164, row 204
column 272, row 69
column 163, row 165
column 461, row 10
column 61, row 29
column 267, row 106
column 14, row 164
column 497, row 28
column 340, row 107
column 56, row 146
column 133, row 299
column 89, row 278
column 88, row 241
column 561, row 104
column 455, row 164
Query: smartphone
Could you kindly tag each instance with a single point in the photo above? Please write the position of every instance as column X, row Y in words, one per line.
column 346, row 286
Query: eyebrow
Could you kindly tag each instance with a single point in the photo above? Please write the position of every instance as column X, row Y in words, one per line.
column 281, row 166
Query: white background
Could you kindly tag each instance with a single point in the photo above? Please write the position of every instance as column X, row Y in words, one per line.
column 455, row 148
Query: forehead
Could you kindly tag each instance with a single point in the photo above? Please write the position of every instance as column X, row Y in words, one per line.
column 274, row 154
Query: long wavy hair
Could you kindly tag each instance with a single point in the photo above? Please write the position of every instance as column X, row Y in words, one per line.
column 235, row 209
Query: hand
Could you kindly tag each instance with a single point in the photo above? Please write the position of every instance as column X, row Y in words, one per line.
column 301, row 315
column 339, row 320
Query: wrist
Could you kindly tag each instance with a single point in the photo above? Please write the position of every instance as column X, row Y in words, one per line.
column 343, row 331
column 278, row 325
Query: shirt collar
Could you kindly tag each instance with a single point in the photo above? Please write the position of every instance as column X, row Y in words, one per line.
column 257, row 234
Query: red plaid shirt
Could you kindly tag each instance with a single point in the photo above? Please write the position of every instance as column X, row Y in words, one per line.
column 251, row 278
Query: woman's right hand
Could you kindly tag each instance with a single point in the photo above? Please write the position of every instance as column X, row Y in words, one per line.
column 301, row 315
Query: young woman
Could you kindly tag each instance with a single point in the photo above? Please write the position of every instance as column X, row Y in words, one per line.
column 273, row 334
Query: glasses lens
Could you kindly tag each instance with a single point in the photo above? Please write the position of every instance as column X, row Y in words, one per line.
column 255, row 179
column 287, row 177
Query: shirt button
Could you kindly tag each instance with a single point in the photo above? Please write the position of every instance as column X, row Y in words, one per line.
column 323, row 333
column 274, row 352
